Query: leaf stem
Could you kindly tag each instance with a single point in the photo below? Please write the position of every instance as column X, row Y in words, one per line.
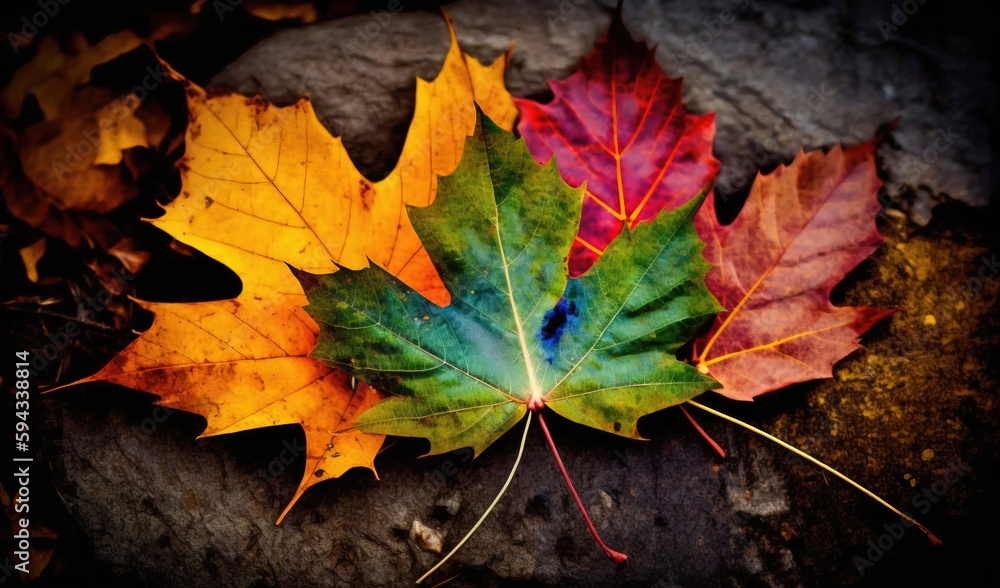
column 615, row 556
column 520, row 451
column 708, row 438
column 933, row 539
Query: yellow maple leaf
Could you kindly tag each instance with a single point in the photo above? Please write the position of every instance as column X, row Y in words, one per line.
column 272, row 181
column 243, row 364
column 265, row 185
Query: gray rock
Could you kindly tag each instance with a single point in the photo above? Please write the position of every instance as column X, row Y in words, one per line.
column 360, row 73
column 426, row 538
column 778, row 77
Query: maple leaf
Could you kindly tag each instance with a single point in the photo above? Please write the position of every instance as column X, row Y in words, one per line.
column 618, row 125
column 80, row 158
column 260, row 169
column 803, row 228
column 52, row 74
column 244, row 363
column 519, row 335
column 61, row 156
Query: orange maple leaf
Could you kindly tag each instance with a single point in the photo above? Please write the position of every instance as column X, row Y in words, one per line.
column 265, row 186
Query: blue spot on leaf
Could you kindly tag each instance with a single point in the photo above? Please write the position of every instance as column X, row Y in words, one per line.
column 554, row 325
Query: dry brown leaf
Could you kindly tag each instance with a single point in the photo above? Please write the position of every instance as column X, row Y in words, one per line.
column 120, row 129
column 130, row 256
column 51, row 75
column 30, row 255
column 60, row 156
column 33, row 207
column 304, row 12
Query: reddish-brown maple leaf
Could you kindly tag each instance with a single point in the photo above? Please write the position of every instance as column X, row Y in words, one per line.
column 802, row 229
column 618, row 124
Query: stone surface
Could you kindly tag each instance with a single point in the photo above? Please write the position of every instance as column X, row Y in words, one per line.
column 159, row 508
column 779, row 77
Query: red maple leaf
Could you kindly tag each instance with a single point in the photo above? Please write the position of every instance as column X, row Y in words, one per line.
column 803, row 228
column 619, row 125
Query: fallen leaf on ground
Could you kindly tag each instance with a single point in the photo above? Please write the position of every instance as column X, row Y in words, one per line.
column 52, row 74
column 31, row 205
column 26, row 203
column 259, row 169
column 256, row 202
column 129, row 254
column 598, row 350
column 121, row 128
column 303, row 12
column 60, row 156
column 803, row 228
column 78, row 228
column 242, row 364
column 31, row 255
column 618, row 125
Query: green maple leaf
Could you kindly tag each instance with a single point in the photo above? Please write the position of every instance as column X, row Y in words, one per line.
column 520, row 335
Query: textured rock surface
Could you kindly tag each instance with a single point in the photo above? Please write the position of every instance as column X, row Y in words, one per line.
column 161, row 509
column 778, row 76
